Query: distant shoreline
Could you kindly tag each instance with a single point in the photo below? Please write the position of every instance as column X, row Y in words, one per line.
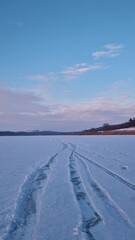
column 106, row 133
column 102, row 133
column 127, row 128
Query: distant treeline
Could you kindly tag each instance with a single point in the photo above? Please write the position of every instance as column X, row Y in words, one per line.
column 108, row 127
column 105, row 129
column 32, row 133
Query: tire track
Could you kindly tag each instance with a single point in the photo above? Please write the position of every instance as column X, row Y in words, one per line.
column 5, row 218
column 90, row 216
column 26, row 204
column 114, row 210
column 106, row 170
column 118, row 162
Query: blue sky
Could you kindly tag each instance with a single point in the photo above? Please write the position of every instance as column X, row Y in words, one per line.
column 66, row 65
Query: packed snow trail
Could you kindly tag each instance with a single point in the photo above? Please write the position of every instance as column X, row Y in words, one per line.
column 60, row 215
column 74, row 197
column 90, row 217
column 110, row 210
column 29, row 199
column 102, row 193
column 106, row 170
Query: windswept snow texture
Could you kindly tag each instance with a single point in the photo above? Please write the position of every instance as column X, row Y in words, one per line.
column 67, row 188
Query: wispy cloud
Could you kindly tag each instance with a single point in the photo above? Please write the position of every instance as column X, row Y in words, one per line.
column 98, row 110
column 42, row 77
column 109, row 51
column 69, row 73
column 79, row 69
column 72, row 72
column 27, row 111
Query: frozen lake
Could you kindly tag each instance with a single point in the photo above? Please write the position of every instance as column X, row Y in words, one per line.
column 67, row 188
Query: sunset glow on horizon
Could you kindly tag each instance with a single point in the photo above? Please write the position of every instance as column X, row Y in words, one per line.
column 66, row 65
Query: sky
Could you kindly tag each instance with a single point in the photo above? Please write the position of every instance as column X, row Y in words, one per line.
column 66, row 65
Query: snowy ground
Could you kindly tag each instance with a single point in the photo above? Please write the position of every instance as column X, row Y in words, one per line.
column 124, row 129
column 67, row 188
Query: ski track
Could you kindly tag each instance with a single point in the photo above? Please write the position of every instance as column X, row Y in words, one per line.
column 34, row 186
column 113, row 151
column 106, row 170
column 26, row 202
column 85, row 203
column 90, row 216
column 104, row 196
column 118, row 161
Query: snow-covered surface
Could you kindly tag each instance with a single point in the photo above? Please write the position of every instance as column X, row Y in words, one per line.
column 67, row 188
column 125, row 129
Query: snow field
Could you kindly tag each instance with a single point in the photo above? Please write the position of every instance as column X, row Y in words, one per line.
column 67, row 188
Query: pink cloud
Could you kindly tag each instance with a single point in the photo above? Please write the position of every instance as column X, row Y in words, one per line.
column 26, row 111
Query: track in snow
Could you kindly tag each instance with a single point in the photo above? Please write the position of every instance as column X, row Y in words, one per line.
column 90, row 216
column 83, row 182
column 85, row 186
column 26, row 204
column 106, row 170
column 114, row 210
